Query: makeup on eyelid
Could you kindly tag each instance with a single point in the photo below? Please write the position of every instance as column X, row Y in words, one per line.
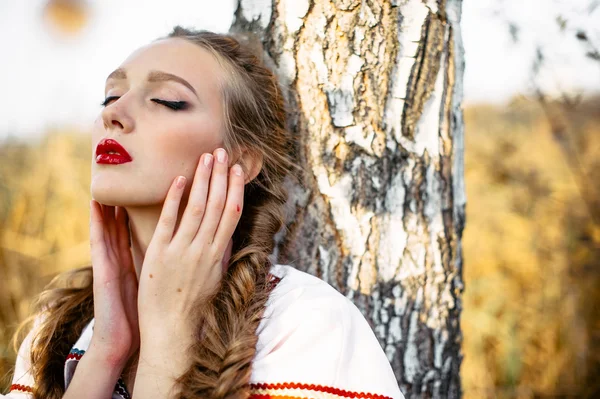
column 174, row 105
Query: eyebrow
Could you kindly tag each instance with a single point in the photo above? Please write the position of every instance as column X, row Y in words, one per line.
column 153, row 76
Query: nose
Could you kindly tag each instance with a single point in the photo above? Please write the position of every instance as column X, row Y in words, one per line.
column 115, row 117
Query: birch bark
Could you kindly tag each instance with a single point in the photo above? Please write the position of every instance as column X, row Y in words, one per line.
column 374, row 91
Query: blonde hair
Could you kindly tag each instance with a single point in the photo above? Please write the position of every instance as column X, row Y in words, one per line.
column 255, row 120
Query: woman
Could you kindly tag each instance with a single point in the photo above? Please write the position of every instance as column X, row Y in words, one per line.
column 182, row 300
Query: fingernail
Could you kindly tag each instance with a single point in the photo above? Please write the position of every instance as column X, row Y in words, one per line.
column 180, row 181
column 208, row 160
column 237, row 169
column 221, row 155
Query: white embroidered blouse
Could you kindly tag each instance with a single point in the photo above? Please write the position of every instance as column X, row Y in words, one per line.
column 312, row 343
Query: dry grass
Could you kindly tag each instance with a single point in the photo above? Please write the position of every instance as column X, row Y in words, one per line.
column 44, row 196
column 532, row 252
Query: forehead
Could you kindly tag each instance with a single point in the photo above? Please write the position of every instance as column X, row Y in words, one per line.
column 179, row 57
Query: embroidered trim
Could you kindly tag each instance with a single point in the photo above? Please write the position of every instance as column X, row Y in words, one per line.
column 22, row 388
column 299, row 390
column 75, row 354
column 120, row 388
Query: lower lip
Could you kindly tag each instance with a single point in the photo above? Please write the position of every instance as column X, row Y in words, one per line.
column 112, row 159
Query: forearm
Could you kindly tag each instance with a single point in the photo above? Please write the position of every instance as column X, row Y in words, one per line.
column 156, row 374
column 94, row 378
column 164, row 357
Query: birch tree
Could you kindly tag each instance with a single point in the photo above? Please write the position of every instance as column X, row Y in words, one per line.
column 374, row 91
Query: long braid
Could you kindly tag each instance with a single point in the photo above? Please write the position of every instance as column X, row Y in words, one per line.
column 222, row 360
column 255, row 119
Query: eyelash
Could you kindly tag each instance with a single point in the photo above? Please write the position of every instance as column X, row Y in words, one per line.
column 174, row 105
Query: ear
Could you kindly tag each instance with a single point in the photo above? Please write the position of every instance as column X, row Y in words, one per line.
column 252, row 163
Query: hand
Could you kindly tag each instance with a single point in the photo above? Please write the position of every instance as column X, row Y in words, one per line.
column 183, row 265
column 116, row 331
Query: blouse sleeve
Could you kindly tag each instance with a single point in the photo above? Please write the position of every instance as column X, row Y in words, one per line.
column 22, row 381
column 315, row 343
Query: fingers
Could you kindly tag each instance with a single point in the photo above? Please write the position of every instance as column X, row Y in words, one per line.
column 110, row 228
column 196, row 206
column 97, row 239
column 122, row 229
column 116, row 234
column 168, row 216
column 233, row 209
column 131, row 305
column 109, row 240
column 104, row 210
column 101, row 260
column 214, row 206
column 124, row 245
column 217, row 194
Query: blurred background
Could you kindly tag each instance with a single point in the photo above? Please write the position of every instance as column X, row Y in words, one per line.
column 531, row 318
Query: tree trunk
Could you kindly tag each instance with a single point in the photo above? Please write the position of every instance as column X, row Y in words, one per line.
column 375, row 91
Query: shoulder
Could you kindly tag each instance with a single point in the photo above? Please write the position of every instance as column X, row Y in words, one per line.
column 304, row 292
column 22, row 381
column 312, row 335
column 301, row 298
column 302, row 301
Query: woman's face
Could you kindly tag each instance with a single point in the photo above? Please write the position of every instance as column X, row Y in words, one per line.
column 163, row 143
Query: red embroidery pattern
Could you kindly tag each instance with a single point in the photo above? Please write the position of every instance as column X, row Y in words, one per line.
column 76, row 356
column 22, row 388
column 309, row 387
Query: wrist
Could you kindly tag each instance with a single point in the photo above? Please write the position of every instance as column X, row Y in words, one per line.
column 94, row 378
column 105, row 358
column 171, row 355
column 177, row 338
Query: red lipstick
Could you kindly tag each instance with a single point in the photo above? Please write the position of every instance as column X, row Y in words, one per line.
column 109, row 151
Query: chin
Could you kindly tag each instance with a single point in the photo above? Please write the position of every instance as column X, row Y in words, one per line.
column 110, row 191
column 113, row 192
column 107, row 197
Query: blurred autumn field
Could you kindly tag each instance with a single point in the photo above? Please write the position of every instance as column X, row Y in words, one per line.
column 531, row 316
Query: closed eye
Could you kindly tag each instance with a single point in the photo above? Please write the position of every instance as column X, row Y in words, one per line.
column 108, row 100
column 174, row 105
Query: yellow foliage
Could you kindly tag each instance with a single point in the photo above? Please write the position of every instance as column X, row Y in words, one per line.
column 44, row 196
column 529, row 317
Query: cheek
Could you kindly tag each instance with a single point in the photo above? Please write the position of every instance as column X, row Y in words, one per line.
column 181, row 146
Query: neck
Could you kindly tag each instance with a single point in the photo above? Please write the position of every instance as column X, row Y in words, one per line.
column 142, row 224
